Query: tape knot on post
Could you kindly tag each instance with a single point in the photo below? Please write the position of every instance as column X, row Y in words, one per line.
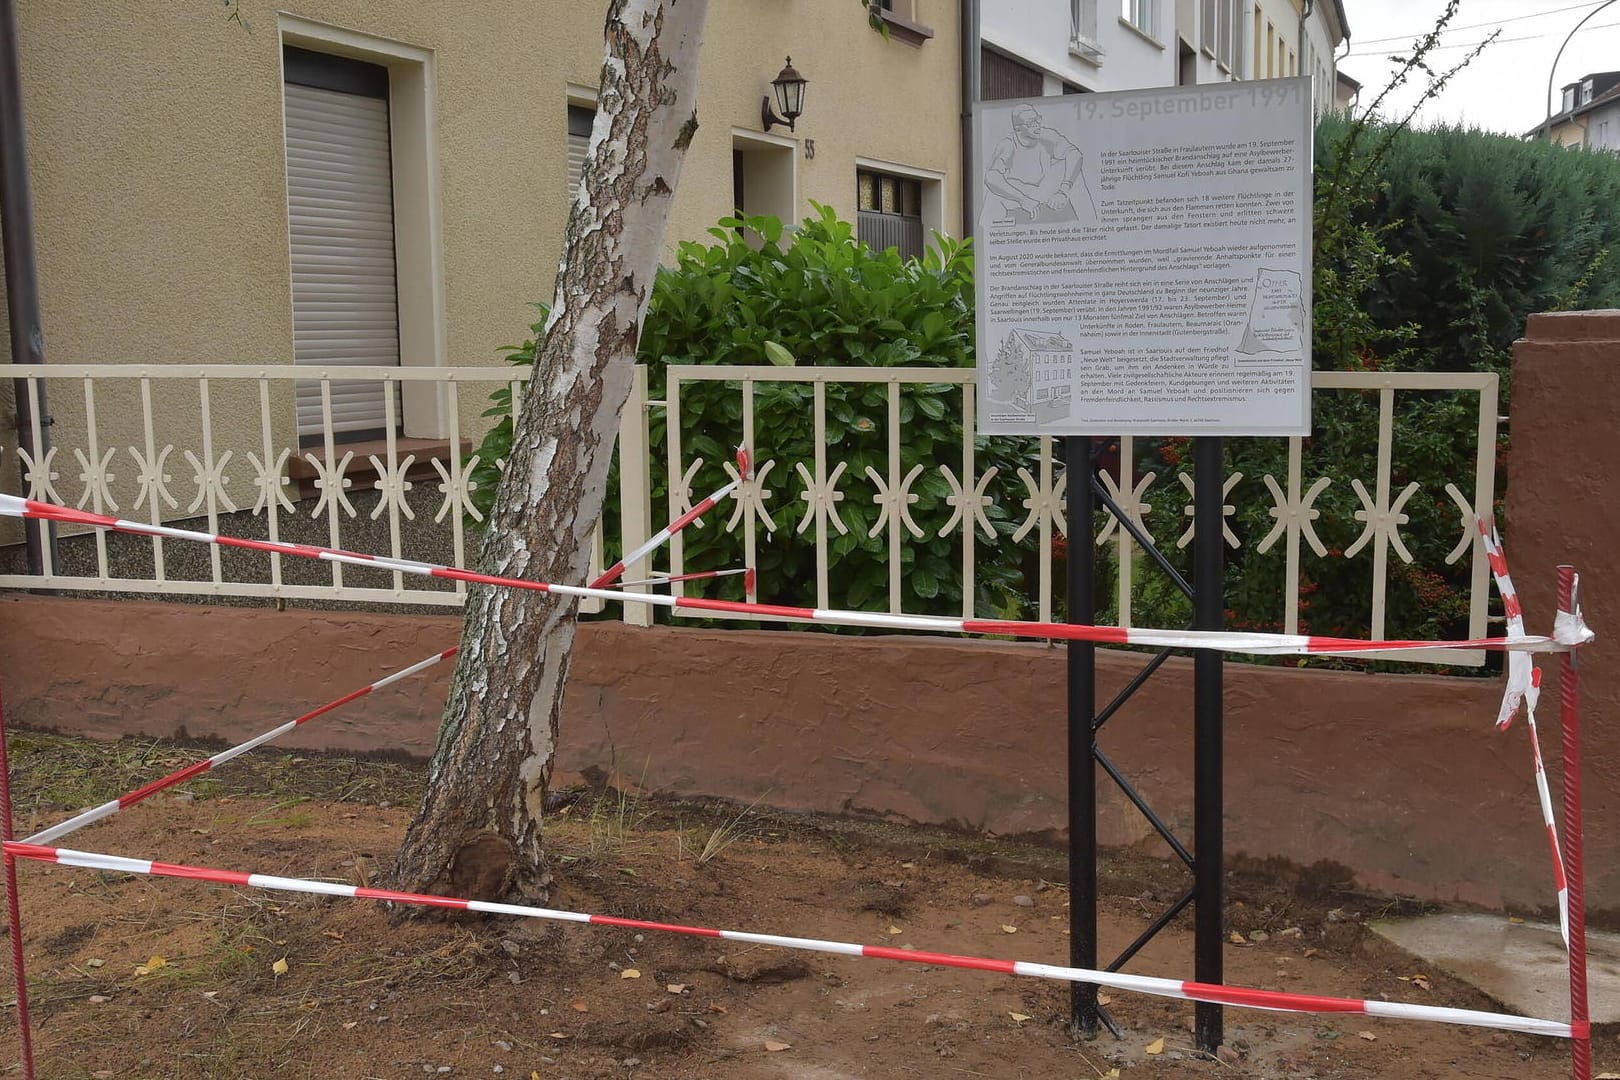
column 1571, row 630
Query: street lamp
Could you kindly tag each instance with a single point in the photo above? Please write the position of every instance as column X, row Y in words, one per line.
column 1552, row 70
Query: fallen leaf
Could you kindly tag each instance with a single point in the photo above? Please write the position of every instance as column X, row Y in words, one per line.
column 333, row 934
column 99, row 999
column 1018, row 1018
column 1308, row 953
column 629, row 973
column 1419, row 981
column 1369, row 1036
column 1156, row 1046
column 676, row 988
column 580, row 1006
column 1236, row 938
column 280, row 966
column 349, row 1025
column 556, row 1035
column 1104, row 999
column 895, row 930
column 151, row 965
column 94, row 963
column 1008, row 928
column 1112, row 1074
column 721, row 1009
column 774, row 1047
column 1520, row 922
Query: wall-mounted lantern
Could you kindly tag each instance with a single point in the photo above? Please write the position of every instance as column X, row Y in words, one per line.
column 789, row 88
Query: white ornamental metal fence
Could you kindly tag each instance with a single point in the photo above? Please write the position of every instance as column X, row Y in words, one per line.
column 812, row 499
column 219, row 443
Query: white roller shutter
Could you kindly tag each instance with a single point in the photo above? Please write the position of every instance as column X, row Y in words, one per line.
column 340, row 203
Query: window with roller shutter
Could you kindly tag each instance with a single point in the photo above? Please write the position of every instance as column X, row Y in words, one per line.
column 340, row 212
column 888, row 212
column 580, row 119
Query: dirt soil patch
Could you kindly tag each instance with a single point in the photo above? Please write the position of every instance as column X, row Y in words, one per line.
column 134, row 977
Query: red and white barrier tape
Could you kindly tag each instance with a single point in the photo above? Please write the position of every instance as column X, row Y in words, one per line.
column 612, row 573
column 696, row 575
column 1524, row 688
column 107, row 809
column 1227, row 641
column 1171, row 988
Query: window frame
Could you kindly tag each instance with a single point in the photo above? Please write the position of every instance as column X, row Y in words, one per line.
column 1085, row 41
column 1141, row 16
column 418, row 236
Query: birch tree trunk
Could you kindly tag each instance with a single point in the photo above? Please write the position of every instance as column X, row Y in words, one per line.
column 477, row 832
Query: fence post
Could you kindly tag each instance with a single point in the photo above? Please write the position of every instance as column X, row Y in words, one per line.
column 635, row 490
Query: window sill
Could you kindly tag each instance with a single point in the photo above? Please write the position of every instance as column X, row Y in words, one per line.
column 1086, row 52
column 424, row 452
column 903, row 29
column 1141, row 33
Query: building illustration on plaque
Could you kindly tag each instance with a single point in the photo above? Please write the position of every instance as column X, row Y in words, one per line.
column 1033, row 374
column 1036, row 176
column 1275, row 326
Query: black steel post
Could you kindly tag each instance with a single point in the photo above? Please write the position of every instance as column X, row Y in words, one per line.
column 1082, row 660
column 1208, row 604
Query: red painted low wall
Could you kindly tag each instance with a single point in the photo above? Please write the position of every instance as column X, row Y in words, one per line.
column 1401, row 778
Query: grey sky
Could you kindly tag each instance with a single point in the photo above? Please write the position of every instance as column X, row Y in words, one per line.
column 1505, row 89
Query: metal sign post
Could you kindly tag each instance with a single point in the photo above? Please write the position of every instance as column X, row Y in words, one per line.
column 1208, row 606
column 1082, row 658
column 1144, row 269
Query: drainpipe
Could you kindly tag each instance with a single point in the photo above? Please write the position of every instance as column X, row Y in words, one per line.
column 1304, row 16
column 1355, row 98
column 969, row 35
column 22, row 278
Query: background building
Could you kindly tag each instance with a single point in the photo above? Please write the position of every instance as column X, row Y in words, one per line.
column 1588, row 114
column 1073, row 46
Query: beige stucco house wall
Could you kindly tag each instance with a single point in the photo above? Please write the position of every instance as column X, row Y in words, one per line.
column 155, row 135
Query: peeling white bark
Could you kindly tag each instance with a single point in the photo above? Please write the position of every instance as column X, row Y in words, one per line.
column 477, row 831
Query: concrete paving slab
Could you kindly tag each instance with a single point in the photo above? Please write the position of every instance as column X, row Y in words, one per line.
column 1522, row 965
